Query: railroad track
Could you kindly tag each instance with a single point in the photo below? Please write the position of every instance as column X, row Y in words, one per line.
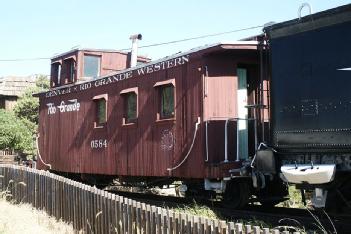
column 274, row 217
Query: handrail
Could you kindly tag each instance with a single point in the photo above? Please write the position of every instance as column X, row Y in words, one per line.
column 39, row 156
column 206, row 128
column 227, row 120
column 305, row 4
column 191, row 146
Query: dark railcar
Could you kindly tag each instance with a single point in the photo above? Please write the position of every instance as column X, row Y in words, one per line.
column 311, row 100
column 185, row 117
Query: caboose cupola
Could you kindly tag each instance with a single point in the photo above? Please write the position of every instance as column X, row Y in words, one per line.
column 80, row 65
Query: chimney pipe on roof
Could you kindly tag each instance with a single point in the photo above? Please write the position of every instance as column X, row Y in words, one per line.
column 134, row 53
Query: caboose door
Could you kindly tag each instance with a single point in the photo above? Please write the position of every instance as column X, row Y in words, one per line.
column 242, row 114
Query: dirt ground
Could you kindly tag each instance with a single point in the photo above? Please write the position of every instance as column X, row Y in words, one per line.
column 22, row 218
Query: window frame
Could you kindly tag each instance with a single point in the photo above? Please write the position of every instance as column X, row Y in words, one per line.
column 70, row 69
column 97, row 99
column 160, row 86
column 124, row 94
column 99, row 65
column 56, row 71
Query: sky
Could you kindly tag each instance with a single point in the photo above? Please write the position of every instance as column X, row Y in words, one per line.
column 43, row 28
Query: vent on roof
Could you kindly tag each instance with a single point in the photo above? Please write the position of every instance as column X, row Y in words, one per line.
column 134, row 53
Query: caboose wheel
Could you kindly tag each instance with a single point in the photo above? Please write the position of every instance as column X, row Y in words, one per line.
column 274, row 192
column 237, row 194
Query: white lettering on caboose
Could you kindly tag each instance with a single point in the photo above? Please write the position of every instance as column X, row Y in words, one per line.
column 143, row 70
column 72, row 105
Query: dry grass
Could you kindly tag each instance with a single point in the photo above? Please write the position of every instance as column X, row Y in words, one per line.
column 197, row 209
column 295, row 200
column 23, row 218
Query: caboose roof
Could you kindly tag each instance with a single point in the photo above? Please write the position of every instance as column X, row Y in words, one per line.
column 221, row 46
column 57, row 56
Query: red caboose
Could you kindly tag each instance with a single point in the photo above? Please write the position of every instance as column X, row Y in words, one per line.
column 195, row 116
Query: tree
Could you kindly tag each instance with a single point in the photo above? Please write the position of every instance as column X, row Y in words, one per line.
column 27, row 106
column 16, row 133
column 42, row 82
column 24, row 120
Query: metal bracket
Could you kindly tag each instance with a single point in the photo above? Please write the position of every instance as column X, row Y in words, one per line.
column 319, row 197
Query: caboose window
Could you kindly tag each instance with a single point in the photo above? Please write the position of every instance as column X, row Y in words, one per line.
column 130, row 98
column 167, row 101
column 55, row 74
column 131, row 107
column 100, row 110
column 91, row 66
column 166, row 97
column 69, row 70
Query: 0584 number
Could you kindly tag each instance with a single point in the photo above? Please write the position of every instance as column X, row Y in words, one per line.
column 97, row 144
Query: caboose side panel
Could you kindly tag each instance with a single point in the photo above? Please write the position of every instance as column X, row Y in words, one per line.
column 144, row 148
